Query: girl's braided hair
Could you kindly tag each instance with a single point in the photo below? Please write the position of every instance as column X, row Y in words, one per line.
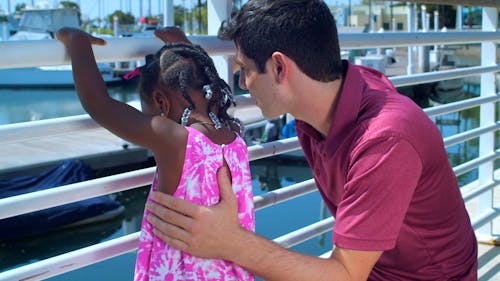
column 182, row 67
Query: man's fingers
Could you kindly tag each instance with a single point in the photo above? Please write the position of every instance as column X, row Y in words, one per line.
column 171, row 234
column 178, row 244
column 169, row 216
column 225, row 185
column 176, row 204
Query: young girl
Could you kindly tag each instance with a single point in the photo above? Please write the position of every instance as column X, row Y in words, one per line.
column 185, row 124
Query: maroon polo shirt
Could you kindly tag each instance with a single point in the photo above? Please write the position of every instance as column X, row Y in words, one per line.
column 384, row 174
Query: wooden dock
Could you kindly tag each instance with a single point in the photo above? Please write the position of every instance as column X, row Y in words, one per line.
column 96, row 147
column 28, row 151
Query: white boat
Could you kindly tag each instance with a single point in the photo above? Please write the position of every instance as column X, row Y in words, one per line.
column 49, row 76
column 41, row 24
column 450, row 90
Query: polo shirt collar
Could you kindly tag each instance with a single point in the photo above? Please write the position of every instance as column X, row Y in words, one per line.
column 347, row 108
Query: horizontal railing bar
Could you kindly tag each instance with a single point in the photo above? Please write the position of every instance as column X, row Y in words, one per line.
column 18, row 131
column 460, row 105
column 476, row 162
column 263, row 150
column 471, row 194
column 73, row 260
column 486, row 217
column 405, row 39
column 25, row 53
column 54, row 126
column 16, row 54
column 298, row 236
column 105, row 250
column 436, row 76
column 39, row 200
column 472, row 133
column 255, row 125
column 62, row 125
column 283, row 194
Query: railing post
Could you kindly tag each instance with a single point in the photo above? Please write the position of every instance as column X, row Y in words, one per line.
column 168, row 14
column 411, row 28
column 487, row 117
column 218, row 11
column 459, row 18
column 424, row 51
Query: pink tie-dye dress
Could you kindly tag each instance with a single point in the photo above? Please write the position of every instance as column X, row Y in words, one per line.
column 156, row 260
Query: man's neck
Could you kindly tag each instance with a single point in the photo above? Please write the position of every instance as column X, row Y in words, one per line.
column 316, row 104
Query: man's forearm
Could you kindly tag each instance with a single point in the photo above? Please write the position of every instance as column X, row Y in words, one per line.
column 270, row 261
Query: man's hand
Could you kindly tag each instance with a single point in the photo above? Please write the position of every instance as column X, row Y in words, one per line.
column 206, row 232
column 171, row 34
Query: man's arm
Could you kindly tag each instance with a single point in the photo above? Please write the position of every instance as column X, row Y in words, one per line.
column 215, row 232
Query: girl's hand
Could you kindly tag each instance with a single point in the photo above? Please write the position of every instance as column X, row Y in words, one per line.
column 171, row 34
column 67, row 34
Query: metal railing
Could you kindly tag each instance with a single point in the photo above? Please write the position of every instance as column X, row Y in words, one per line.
column 132, row 49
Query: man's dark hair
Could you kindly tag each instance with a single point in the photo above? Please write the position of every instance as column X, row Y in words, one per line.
column 304, row 30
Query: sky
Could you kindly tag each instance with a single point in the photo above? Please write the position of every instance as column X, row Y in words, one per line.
column 90, row 8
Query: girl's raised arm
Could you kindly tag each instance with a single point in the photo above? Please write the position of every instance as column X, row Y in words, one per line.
column 119, row 118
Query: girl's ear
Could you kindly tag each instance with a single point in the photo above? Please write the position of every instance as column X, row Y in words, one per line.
column 161, row 102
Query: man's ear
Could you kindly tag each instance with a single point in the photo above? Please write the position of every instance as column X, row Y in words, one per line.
column 280, row 66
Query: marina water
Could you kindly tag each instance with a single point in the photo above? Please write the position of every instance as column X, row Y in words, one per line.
column 22, row 105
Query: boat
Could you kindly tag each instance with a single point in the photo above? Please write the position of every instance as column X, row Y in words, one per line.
column 42, row 24
column 450, row 90
column 273, row 130
column 93, row 210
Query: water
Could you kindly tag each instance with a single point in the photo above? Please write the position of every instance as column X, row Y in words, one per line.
column 36, row 104
column 22, row 105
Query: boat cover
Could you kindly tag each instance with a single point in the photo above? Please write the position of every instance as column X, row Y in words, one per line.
column 68, row 172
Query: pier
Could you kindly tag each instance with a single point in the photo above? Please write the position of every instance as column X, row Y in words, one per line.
column 36, row 145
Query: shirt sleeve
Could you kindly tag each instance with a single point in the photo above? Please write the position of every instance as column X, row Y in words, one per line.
column 382, row 176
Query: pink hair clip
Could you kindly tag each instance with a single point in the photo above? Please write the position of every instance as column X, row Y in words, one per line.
column 132, row 74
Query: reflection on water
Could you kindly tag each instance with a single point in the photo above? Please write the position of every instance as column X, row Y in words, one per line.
column 453, row 123
column 23, row 105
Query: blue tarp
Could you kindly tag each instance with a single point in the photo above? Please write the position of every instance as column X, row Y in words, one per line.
column 68, row 172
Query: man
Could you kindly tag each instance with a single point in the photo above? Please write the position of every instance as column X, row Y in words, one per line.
column 379, row 162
